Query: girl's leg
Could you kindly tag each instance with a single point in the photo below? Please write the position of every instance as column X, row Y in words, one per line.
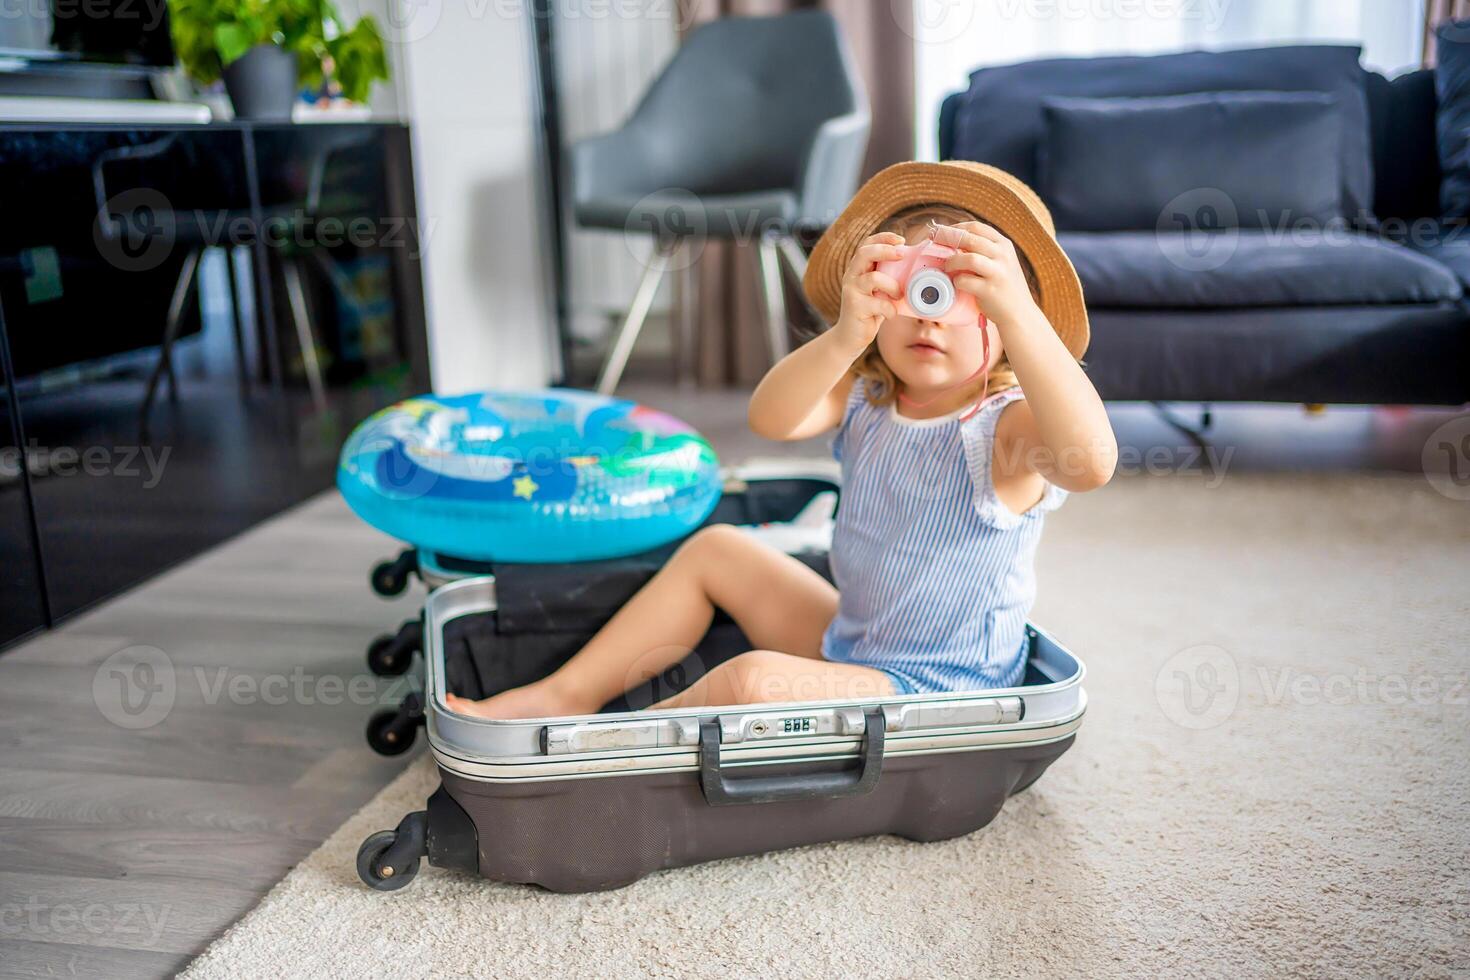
column 763, row 676
column 778, row 602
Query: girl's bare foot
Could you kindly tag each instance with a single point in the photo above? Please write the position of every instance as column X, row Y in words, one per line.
column 536, row 700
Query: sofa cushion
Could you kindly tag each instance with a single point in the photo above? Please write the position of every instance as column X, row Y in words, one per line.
column 1114, row 164
column 1405, row 158
column 1239, row 268
column 1446, row 242
column 1407, row 353
column 1000, row 120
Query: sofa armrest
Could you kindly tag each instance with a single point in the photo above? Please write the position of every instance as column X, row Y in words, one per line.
column 949, row 110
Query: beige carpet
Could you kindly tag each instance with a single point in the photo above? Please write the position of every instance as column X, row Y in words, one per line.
column 1305, row 816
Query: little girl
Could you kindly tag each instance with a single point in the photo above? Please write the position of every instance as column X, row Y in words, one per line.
column 948, row 461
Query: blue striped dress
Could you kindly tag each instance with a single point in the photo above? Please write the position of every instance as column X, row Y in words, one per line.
column 935, row 573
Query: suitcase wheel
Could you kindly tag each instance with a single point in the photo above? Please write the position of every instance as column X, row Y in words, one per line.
column 384, row 871
column 390, row 578
column 392, row 731
column 391, row 654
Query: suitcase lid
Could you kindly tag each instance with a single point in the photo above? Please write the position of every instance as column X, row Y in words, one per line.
column 660, row 740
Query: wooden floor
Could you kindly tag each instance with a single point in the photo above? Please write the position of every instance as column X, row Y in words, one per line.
column 125, row 850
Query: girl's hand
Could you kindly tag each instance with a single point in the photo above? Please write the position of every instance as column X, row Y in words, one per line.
column 868, row 295
column 986, row 266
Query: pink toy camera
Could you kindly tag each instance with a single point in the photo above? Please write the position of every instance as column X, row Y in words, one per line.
column 928, row 291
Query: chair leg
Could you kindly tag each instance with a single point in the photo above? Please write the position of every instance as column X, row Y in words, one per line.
column 171, row 326
column 773, row 293
column 794, row 256
column 796, row 262
column 237, row 319
column 686, row 307
column 617, row 358
column 291, row 273
column 170, row 376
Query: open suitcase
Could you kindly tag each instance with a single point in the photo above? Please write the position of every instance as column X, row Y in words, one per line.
column 597, row 801
column 527, row 646
column 755, row 493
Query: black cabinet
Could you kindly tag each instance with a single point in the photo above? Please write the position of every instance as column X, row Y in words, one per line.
column 197, row 317
column 23, row 608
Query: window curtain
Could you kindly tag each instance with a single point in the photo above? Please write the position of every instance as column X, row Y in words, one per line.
column 728, row 320
column 1436, row 12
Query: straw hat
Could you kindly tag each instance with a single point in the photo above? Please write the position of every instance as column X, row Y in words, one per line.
column 996, row 197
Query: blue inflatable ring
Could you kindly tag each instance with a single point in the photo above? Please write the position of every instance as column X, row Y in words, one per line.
column 537, row 476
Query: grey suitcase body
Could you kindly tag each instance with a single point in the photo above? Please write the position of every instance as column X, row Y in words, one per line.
column 592, row 802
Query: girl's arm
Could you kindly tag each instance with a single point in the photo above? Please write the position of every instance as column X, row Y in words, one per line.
column 805, row 394
column 1061, row 431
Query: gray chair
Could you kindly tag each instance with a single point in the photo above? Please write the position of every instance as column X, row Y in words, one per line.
column 754, row 132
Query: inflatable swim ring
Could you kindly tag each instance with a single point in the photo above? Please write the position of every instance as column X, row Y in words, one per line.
column 535, row 476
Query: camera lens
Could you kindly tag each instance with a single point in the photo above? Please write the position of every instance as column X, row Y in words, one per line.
column 930, row 293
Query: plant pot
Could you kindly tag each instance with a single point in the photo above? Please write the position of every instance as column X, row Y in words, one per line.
column 262, row 84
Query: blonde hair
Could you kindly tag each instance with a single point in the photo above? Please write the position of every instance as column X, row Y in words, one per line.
column 881, row 385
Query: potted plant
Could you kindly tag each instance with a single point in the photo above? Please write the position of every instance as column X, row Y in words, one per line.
column 267, row 50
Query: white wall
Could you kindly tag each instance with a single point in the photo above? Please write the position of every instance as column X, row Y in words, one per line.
column 607, row 56
column 954, row 37
column 465, row 86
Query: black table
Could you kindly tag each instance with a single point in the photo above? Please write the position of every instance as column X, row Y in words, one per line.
column 290, row 255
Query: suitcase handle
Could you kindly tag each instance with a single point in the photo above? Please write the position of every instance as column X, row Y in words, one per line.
column 721, row 790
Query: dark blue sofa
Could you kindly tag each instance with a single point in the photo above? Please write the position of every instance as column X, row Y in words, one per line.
column 1375, row 309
